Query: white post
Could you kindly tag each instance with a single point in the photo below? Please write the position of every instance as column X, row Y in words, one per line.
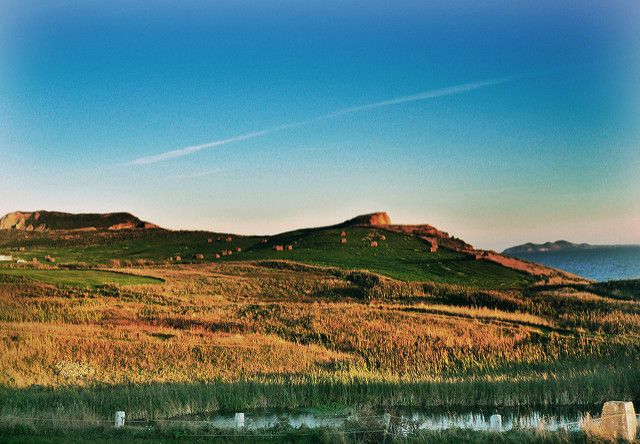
column 386, row 418
column 496, row 422
column 119, row 419
column 238, row 420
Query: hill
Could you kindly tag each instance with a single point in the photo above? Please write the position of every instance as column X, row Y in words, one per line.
column 55, row 220
column 369, row 242
column 167, row 324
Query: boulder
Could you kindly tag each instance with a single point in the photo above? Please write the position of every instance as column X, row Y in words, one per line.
column 618, row 421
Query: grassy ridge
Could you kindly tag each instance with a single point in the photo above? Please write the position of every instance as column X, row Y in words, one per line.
column 399, row 256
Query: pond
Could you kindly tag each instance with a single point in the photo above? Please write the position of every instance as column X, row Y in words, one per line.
column 400, row 419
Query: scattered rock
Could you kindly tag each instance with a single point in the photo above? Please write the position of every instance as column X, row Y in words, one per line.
column 433, row 243
column 117, row 263
column 374, row 243
column 343, row 240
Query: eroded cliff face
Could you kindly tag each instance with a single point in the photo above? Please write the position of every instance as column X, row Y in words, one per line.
column 55, row 220
column 378, row 218
column 20, row 220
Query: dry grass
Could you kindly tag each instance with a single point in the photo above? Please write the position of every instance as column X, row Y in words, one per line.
column 283, row 322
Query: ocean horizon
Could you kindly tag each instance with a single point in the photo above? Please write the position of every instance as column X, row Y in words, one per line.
column 605, row 263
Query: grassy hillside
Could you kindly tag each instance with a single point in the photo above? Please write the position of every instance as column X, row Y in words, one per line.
column 399, row 256
column 243, row 335
column 79, row 278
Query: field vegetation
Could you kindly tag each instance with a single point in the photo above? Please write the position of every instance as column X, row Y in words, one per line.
column 353, row 432
column 277, row 334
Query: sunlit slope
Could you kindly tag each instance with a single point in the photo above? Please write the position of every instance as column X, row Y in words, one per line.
column 78, row 278
column 397, row 255
column 400, row 256
column 99, row 248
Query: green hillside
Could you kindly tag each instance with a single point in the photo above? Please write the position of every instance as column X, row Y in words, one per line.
column 79, row 278
column 399, row 256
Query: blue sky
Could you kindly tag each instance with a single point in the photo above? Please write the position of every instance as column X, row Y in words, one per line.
column 93, row 92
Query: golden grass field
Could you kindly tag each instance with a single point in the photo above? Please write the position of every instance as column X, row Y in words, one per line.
column 271, row 321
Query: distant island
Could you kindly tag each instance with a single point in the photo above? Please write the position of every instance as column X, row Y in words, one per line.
column 559, row 245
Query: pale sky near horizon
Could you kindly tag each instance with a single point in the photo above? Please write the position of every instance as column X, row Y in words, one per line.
column 500, row 122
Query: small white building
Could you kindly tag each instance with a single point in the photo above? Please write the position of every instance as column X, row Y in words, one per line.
column 6, row 258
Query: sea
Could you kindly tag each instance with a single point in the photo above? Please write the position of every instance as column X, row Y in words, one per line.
column 598, row 263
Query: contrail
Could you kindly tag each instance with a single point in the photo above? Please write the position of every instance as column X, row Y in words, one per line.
column 425, row 95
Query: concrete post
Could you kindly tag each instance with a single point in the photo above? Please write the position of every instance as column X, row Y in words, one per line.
column 386, row 420
column 238, row 420
column 618, row 420
column 119, row 419
column 495, row 422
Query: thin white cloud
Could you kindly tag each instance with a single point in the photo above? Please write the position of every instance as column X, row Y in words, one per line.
column 426, row 95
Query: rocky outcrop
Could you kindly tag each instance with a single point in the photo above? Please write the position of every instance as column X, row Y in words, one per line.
column 55, row 220
column 378, row 218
